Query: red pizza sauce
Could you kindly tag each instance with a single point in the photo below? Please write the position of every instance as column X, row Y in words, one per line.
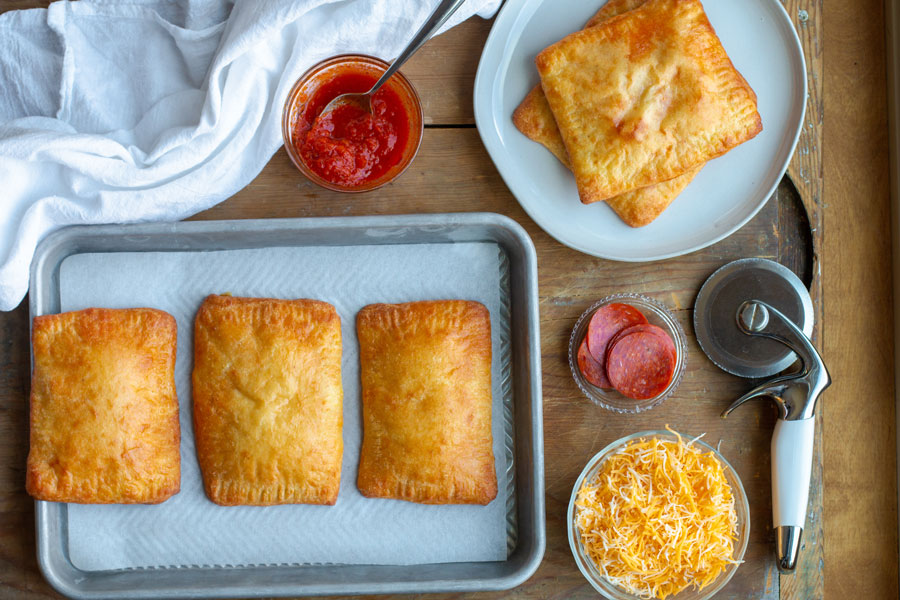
column 348, row 146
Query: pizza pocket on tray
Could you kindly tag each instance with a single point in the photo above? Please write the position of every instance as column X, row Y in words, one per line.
column 104, row 411
column 426, row 402
column 268, row 401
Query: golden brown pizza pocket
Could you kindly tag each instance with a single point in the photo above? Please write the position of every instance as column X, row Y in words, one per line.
column 636, row 208
column 268, row 400
column 641, row 206
column 426, row 401
column 534, row 118
column 104, row 412
column 644, row 97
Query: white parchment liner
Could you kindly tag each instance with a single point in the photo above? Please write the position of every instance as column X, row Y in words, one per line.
column 189, row 529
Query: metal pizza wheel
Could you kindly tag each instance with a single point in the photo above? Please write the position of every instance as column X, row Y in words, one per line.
column 753, row 318
column 716, row 321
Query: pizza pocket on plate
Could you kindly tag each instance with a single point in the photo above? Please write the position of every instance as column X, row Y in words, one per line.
column 426, row 402
column 636, row 208
column 533, row 116
column 104, row 412
column 268, row 401
column 644, row 97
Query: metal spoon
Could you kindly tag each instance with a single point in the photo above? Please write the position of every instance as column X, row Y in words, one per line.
column 364, row 101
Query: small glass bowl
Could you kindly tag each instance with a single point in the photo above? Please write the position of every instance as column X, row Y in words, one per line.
column 656, row 314
column 614, row 592
column 319, row 74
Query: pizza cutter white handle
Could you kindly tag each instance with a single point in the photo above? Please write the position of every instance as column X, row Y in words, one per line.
column 792, row 451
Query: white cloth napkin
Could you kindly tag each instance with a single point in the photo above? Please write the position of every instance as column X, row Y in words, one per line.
column 115, row 111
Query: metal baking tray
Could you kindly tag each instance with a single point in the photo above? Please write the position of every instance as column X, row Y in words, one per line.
column 526, row 509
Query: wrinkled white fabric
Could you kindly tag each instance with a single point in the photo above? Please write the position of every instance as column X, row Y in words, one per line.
column 115, row 112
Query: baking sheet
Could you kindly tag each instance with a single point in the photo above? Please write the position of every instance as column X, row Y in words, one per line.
column 189, row 530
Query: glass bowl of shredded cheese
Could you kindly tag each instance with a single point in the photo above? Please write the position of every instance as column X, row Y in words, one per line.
column 658, row 515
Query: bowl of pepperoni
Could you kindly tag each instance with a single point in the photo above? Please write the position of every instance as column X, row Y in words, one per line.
column 627, row 353
column 348, row 149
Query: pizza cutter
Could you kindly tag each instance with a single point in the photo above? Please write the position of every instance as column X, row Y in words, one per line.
column 753, row 318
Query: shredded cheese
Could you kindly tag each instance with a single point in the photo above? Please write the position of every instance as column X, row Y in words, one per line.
column 658, row 517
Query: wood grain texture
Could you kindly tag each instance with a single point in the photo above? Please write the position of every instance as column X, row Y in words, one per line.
column 19, row 574
column 805, row 171
column 443, row 72
column 454, row 173
column 860, row 436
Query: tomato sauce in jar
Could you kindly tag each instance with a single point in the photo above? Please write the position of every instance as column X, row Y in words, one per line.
column 348, row 146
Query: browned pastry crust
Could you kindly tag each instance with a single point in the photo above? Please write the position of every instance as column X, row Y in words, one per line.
column 644, row 97
column 268, row 400
column 636, row 208
column 611, row 9
column 641, row 206
column 104, row 412
column 534, row 118
column 426, row 399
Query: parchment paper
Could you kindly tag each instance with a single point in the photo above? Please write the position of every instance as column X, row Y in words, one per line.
column 189, row 529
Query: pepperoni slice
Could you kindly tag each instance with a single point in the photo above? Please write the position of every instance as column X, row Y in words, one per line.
column 606, row 322
column 589, row 367
column 641, row 364
column 644, row 327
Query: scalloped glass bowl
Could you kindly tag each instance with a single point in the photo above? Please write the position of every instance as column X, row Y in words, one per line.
column 613, row 592
column 656, row 314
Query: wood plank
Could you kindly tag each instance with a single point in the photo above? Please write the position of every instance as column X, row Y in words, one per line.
column 443, row 72
column 23, row 4
column 860, row 437
column 19, row 574
column 805, row 170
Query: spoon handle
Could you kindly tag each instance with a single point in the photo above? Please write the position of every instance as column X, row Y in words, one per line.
column 440, row 15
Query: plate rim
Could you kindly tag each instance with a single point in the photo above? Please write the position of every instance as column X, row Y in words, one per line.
column 498, row 50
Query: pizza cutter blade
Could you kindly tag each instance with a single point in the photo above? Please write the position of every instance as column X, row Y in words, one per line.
column 753, row 318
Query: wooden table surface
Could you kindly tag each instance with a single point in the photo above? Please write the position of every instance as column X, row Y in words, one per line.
column 829, row 222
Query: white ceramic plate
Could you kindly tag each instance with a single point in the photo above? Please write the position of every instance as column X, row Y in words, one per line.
column 762, row 44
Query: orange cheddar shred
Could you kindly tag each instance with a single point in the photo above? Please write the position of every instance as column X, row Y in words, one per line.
column 658, row 517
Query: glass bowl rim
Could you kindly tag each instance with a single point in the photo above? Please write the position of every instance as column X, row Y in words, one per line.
column 742, row 508
column 288, row 111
